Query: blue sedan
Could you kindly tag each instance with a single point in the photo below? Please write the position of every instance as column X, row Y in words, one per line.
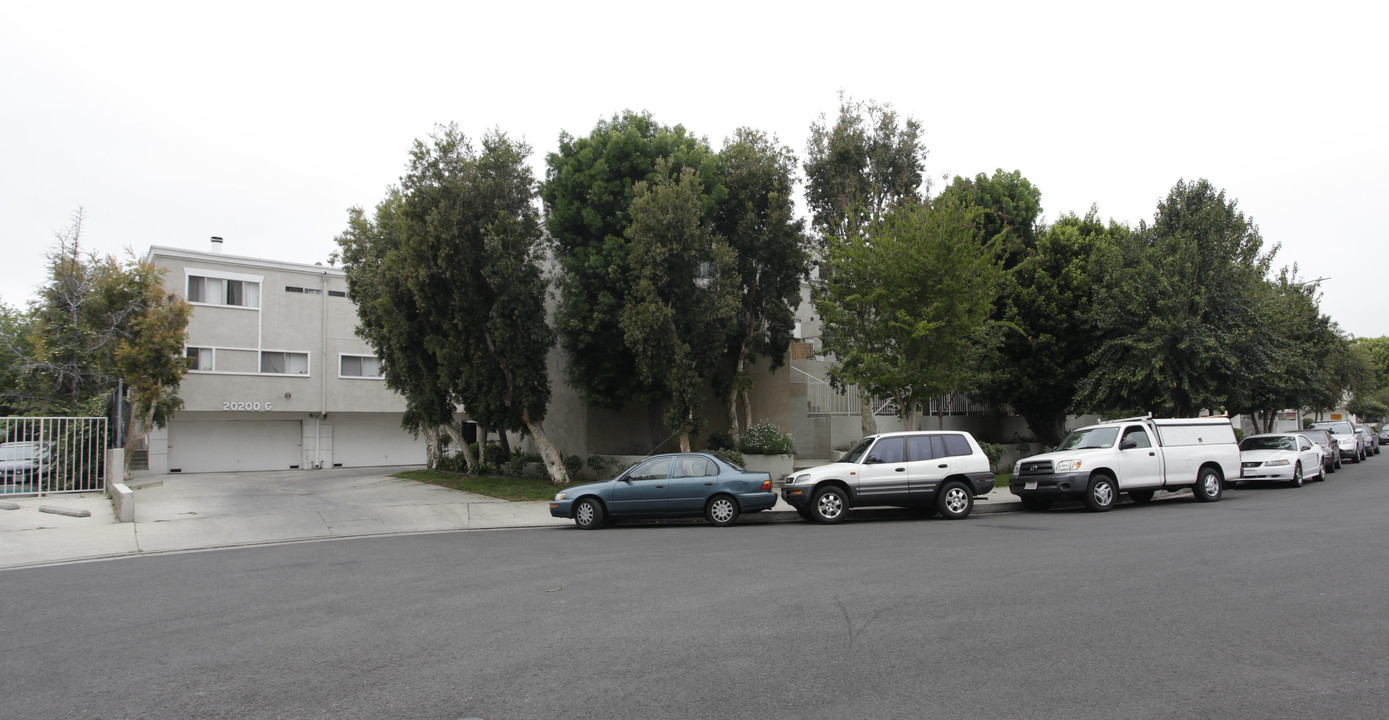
column 675, row 485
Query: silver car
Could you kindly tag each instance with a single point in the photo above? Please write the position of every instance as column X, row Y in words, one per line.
column 23, row 461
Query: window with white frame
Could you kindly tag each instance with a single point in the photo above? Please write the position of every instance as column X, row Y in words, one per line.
column 284, row 363
column 223, row 291
column 364, row 366
column 199, row 358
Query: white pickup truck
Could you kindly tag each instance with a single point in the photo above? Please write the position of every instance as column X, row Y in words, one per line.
column 1138, row 456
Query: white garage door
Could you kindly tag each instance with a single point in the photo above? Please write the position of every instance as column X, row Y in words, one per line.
column 373, row 440
column 234, row 445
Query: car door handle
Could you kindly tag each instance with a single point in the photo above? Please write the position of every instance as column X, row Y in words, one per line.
column 1151, row 453
column 660, row 486
column 901, row 469
column 709, row 483
column 943, row 465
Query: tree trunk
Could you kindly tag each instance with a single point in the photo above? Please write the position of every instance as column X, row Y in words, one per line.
column 132, row 440
column 554, row 462
column 906, row 411
column 733, row 418
column 431, row 447
column 747, row 408
column 504, row 442
column 456, row 434
column 1049, row 430
column 866, row 419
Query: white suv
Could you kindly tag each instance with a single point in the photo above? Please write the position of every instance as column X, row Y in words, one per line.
column 934, row 471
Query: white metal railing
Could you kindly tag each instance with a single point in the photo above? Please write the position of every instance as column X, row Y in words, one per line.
column 46, row 455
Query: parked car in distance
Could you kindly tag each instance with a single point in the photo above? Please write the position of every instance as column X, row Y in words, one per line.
column 23, row 461
column 666, row 486
column 934, row 471
column 1371, row 439
column 1384, row 433
column 1282, row 457
column 1351, row 444
column 1331, row 452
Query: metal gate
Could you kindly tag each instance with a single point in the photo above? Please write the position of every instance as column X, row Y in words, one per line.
column 46, row 455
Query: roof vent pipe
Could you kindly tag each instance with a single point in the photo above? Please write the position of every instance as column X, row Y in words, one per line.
column 216, row 245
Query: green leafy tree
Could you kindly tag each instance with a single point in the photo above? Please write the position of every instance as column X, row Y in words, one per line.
column 858, row 167
column 757, row 219
column 1177, row 310
column 589, row 185
column 1302, row 342
column 1009, row 209
column 686, row 294
column 467, row 242
column 378, row 283
column 149, row 352
column 1044, row 351
column 905, row 306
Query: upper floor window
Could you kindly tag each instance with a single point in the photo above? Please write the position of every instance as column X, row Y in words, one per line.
column 222, row 291
column 199, row 358
column 284, row 363
column 359, row 366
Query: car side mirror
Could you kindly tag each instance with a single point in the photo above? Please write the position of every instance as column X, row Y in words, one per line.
column 1128, row 444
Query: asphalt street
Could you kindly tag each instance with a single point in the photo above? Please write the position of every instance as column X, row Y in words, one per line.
column 1268, row 604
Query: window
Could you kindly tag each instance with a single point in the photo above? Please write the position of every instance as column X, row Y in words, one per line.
column 1138, row 435
column 199, row 358
column 306, row 291
column 924, row 447
column 219, row 291
column 284, row 363
column 695, row 467
column 888, row 450
column 657, row 469
column 955, row 445
column 337, row 293
column 359, row 366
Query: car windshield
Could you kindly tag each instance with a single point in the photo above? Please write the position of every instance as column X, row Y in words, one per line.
column 1338, row 428
column 856, row 454
column 1276, row 442
column 1097, row 437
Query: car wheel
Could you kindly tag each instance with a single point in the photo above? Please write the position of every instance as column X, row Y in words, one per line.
column 1141, row 497
column 1338, row 460
column 1297, row 476
column 1357, row 457
column 1321, row 474
column 1035, row 504
column 829, row 505
column 1101, row 494
column 954, row 501
column 1208, row 485
column 588, row 514
column 721, row 511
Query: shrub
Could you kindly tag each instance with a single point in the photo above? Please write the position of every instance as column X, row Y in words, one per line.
column 992, row 451
column 573, row 464
column 764, row 438
column 732, row 457
column 599, row 465
column 494, row 455
column 451, row 463
column 516, row 464
column 720, row 441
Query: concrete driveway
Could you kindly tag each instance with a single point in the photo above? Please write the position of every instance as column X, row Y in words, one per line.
column 214, row 510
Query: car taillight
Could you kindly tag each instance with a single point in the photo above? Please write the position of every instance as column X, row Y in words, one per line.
column 766, row 485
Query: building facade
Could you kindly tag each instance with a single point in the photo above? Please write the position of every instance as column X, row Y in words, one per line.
column 278, row 378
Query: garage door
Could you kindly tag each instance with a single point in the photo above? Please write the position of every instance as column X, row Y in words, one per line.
column 373, row 440
column 234, row 445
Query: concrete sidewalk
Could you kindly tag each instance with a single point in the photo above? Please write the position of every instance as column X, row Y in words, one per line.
column 217, row 510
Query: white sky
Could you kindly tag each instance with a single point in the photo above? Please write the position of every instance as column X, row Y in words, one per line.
column 264, row 122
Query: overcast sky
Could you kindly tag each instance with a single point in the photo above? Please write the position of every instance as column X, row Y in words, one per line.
column 264, row 122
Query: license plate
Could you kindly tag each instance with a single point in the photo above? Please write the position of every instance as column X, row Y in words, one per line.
column 1030, row 486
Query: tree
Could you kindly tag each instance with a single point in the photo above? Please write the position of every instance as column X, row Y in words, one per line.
column 858, row 168
column 905, row 305
column 149, row 354
column 1176, row 310
column 758, row 221
column 1302, row 342
column 686, row 294
column 464, row 260
column 1045, row 310
column 590, row 184
column 1009, row 209
column 391, row 322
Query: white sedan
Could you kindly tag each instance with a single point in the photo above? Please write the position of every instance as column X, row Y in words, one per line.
column 1280, row 456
